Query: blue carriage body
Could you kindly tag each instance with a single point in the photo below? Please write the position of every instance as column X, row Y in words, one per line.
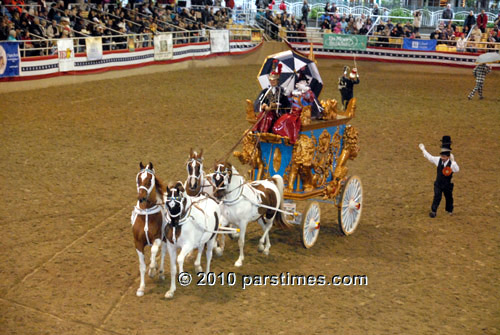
column 268, row 151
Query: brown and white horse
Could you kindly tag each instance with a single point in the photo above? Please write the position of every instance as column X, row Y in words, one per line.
column 193, row 222
column 148, row 221
column 243, row 202
column 196, row 182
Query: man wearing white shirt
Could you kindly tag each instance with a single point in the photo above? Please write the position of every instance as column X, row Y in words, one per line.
column 446, row 166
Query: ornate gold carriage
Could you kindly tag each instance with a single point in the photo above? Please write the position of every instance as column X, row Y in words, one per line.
column 314, row 168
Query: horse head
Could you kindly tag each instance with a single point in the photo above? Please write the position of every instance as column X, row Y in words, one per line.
column 149, row 187
column 223, row 171
column 194, row 167
column 175, row 200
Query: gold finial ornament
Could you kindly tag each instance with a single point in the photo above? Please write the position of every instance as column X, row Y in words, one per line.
column 350, row 151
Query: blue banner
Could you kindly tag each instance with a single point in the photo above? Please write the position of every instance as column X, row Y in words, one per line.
column 9, row 59
column 423, row 45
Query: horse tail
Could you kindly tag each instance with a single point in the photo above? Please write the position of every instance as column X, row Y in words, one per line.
column 279, row 219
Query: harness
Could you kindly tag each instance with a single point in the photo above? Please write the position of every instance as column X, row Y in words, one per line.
column 146, row 212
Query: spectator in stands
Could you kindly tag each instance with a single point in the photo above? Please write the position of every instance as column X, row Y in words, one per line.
column 476, row 32
column 325, row 25
column 53, row 30
column 482, row 21
column 36, row 28
column 12, row 35
column 470, row 21
column 389, row 24
column 461, row 43
column 435, row 34
column 305, row 12
column 375, row 11
column 447, row 14
column 327, row 8
column 472, row 45
column 333, row 8
column 343, row 25
column 417, row 20
column 492, row 39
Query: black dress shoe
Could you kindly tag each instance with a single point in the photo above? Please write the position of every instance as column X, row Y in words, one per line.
column 432, row 214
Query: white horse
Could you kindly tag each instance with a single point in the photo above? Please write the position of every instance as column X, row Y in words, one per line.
column 194, row 222
column 243, row 202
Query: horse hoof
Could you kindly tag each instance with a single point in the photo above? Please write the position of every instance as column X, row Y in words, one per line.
column 199, row 269
column 266, row 252
column 261, row 247
column 162, row 277
column 152, row 272
column 238, row 263
column 139, row 293
column 218, row 251
column 169, row 295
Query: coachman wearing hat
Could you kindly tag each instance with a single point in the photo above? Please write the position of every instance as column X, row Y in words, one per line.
column 271, row 102
column 346, row 85
column 446, row 166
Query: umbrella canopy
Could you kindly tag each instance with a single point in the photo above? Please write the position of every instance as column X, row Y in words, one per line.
column 490, row 57
column 293, row 65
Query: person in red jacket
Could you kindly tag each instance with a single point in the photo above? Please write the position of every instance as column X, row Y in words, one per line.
column 482, row 21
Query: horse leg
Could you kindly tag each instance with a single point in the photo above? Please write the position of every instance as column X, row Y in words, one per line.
column 154, row 251
column 263, row 237
column 142, row 269
column 162, row 261
column 241, row 244
column 210, row 247
column 220, row 244
column 197, row 262
column 172, row 252
column 185, row 250
column 267, row 224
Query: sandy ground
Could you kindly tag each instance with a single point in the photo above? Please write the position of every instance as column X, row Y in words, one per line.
column 70, row 154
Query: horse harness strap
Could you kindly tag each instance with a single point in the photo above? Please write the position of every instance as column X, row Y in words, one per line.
column 146, row 212
column 235, row 201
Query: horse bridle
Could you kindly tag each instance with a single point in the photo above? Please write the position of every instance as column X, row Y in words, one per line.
column 222, row 171
column 170, row 202
column 148, row 190
column 195, row 160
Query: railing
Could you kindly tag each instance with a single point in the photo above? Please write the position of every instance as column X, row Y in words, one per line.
column 313, row 35
column 47, row 47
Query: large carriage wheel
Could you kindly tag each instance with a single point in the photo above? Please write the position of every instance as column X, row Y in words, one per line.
column 310, row 224
column 350, row 207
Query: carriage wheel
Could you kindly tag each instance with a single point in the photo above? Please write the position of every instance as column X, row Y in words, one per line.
column 350, row 206
column 310, row 224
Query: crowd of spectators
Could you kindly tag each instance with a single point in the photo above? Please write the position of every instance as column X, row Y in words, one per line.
column 112, row 22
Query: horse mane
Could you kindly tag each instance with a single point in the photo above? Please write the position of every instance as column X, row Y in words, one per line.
column 160, row 187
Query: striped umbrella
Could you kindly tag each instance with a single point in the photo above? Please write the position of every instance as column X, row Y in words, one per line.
column 293, row 65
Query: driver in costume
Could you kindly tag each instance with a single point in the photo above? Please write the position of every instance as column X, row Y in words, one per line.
column 271, row 103
column 446, row 165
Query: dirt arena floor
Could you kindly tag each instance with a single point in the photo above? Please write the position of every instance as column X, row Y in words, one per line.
column 70, row 154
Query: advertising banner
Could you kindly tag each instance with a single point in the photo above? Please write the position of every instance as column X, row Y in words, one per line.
column 219, row 41
column 423, row 45
column 344, row 42
column 66, row 54
column 9, row 59
column 163, row 46
column 94, row 48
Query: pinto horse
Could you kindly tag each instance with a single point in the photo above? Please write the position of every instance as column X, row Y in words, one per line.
column 148, row 221
column 196, row 182
column 243, row 202
column 193, row 222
